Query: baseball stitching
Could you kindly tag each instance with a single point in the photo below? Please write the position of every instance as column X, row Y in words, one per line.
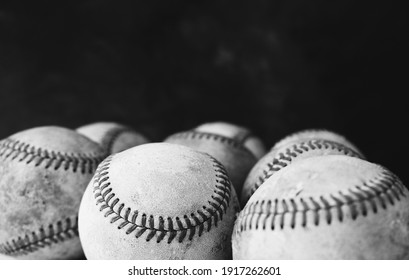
column 159, row 226
column 283, row 159
column 306, row 131
column 210, row 136
column 373, row 195
column 14, row 149
column 54, row 233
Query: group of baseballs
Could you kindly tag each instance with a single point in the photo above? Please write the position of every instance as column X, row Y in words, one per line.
column 103, row 191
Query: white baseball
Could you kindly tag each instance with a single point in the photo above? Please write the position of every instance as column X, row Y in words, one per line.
column 43, row 174
column 113, row 137
column 158, row 201
column 331, row 207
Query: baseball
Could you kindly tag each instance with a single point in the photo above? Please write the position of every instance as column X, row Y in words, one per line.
column 288, row 153
column 43, row 174
column 332, row 207
column 309, row 134
column 158, row 201
column 112, row 137
column 238, row 133
column 236, row 158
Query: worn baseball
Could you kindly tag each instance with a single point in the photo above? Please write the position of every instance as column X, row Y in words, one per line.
column 310, row 134
column 43, row 174
column 332, row 207
column 239, row 133
column 288, row 153
column 236, row 158
column 113, row 137
column 158, row 201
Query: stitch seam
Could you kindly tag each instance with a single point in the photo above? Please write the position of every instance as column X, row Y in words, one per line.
column 210, row 136
column 379, row 193
column 34, row 241
column 305, row 131
column 17, row 150
column 159, row 226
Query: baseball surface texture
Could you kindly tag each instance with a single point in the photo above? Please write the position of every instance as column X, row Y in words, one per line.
column 236, row 158
column 332, row 207
column 310, row 134
column 286, row 154
column 112, row 137
column 158, row 201
column 43, row 174
column 238, row 133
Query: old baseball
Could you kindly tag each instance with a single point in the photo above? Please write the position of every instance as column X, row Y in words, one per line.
column 113, row 137
column 158, row 201
column 332, row 207
column 240, row 134
column 43, row 174
column 285, row 154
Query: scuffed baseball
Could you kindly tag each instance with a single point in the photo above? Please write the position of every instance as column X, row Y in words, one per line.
column 239, row 133
column 289, row 152
column 43, row 174
column 113, row 137
column 158, row 201
column 332, row 207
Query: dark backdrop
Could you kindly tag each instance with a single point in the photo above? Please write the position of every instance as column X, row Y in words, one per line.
column 165, row 66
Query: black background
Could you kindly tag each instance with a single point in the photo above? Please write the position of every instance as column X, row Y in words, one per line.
column 165, row 66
